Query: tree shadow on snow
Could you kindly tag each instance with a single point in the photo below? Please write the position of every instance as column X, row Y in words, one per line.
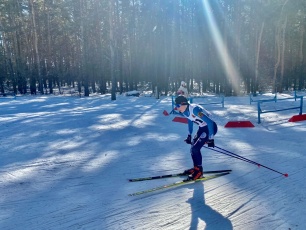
column 201, row 211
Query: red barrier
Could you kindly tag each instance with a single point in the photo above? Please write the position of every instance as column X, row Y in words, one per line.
column 181, row 120
column 239, row 124
column 296, row 118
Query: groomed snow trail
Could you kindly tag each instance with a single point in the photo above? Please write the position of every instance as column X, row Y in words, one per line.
column 65, row 162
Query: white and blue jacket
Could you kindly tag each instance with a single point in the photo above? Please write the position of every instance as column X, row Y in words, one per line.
column 197, row 114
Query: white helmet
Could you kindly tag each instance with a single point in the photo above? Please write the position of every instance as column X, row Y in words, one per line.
column 183, row 83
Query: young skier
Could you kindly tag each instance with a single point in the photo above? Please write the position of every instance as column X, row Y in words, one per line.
column 205, row 134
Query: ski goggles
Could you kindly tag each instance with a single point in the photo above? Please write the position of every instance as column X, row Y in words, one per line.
column 179, row 105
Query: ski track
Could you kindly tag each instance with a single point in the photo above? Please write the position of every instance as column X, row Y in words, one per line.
column 71, row 172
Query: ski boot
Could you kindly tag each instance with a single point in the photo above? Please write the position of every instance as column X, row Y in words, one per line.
column 188, row 172
column 196, row 174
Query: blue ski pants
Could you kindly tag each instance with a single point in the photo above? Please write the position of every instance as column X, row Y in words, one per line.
column 199, row 140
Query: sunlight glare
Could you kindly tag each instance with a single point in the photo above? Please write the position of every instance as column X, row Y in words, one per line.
column 231, row 71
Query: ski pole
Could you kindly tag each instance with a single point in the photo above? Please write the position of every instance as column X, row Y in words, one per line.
column 238, row 156
column 253, row 162
column 228, row 153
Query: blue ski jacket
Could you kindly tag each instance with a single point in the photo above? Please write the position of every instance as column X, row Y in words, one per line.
column 197, row 114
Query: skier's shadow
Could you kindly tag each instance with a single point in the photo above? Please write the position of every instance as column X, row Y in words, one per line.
column 201, row 211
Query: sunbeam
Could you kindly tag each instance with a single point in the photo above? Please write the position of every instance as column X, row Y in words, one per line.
column 230, row 69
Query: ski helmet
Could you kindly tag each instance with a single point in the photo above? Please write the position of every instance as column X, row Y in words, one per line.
column 181, row 100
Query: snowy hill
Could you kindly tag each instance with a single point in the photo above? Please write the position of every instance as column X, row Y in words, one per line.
column 65, row 162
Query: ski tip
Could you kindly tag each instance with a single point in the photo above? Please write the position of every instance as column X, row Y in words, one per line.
column 286, row 174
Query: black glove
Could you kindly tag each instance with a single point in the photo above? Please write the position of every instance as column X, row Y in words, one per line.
column 188, row 139
column 211, row 143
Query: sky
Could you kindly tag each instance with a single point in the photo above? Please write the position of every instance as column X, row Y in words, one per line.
column 66, row 161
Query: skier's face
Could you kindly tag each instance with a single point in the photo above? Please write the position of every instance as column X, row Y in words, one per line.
column 181, row 108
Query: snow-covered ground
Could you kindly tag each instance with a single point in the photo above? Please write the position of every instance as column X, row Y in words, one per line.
column 65, row 162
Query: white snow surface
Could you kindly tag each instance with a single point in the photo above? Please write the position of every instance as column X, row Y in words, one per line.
column 66, row 161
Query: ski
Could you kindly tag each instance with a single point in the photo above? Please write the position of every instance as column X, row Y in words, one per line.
column 179, row 183
column 174, row 175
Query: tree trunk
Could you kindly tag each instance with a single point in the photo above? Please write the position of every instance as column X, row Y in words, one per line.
column 301, row 58
column 277, row 59
column 257, row 56
column 281, row 84
column 37, row 57
column 276, row 84
column 112, row 49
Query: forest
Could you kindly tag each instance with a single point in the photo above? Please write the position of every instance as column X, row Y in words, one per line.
column 231, row 47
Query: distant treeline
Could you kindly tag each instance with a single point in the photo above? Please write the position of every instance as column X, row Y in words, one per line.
column 221, row 45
